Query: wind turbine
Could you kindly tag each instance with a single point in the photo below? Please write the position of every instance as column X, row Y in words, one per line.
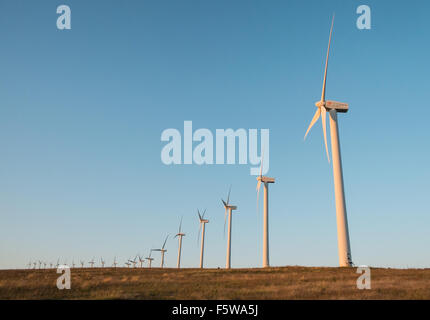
column 149, row 259
column 162, row 250
column 133, row 262
column 202, row 223
column 102, row 262
column 141, row 260
column 50, row 265
column 82, row 263
column 92, row 263
column 334, row 107
column 228, row 210
column 34, row 265
column 58, row 263
column 179, row 235
column 44, row 265
column 265, row 181
column 114, row 262
column 128, row 264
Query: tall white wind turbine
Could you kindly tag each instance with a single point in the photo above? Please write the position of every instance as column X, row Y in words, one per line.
column 265, row 180
column 162, row 250
column 334, row 107
column 202, row 223
column 179, row 235
column 228, row 212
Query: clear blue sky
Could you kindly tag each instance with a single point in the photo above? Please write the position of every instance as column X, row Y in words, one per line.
column 82, row 111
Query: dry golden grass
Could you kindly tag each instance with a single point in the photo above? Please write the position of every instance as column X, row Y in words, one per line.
column 271, row 283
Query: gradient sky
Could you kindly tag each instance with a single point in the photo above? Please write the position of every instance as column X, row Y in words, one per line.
column 82, row 111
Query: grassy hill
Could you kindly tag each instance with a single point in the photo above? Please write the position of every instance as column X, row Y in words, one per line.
column 271, row 283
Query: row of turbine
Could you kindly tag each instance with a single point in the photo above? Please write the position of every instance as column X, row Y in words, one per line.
column 345, row 259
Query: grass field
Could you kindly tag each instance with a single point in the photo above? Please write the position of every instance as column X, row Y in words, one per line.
column 271, row 283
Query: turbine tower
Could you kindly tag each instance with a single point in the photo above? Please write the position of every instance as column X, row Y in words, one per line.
column 265, row 181
column 202, row 223
column 228, row 211
column 334, row 107
column 102, row 262
column 114, row 262
column 92, row 263
column 179, row 235
column 162, row 250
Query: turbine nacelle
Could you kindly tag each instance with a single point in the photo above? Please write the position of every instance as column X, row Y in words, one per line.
column 330, row 105
column 231, row 207
column 265, row 179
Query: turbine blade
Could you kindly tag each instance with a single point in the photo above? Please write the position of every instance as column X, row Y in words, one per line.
column 204, row 212
column 261, row 164
column 228, row 197
column 164, row 242
column 198, row 233
column 225, row 220
column 323, row 118
column 180, row 225
column 258, row 192
column 198, row 212
column 326, row 61
column 314, row 119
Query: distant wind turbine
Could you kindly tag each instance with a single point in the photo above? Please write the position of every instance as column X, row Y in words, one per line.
column 133, row 262
column 114, row 262
column 162, row 250
column 228, row 211
column 92, row 263
column 202, row 223
column 149, row 259
column 333, row 107
column 265, row 180
column 179, row 235
column 141, row 260
column 102, row 262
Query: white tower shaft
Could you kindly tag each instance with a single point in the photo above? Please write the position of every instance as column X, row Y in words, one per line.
column 179, row 251
column 162, row 259
column 266, row 227
column 228, row 262
column 345, row 259
column 202, row 246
